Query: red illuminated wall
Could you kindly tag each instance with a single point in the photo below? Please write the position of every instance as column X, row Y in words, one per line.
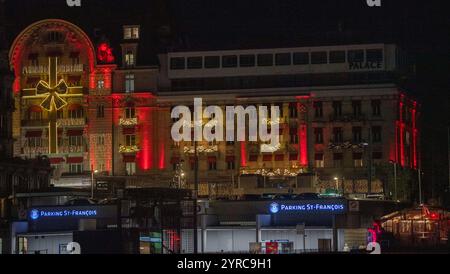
column 145, row 155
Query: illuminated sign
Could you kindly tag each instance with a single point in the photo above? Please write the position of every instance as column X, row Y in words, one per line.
column 365, row 65
column 308, row 207
column 80, row 212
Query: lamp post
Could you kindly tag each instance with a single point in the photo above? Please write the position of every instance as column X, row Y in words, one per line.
column 93, row 172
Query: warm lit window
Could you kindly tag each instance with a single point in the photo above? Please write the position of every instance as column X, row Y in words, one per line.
column 130, row 113
column 100, row 84
column 100, row 140
column 76, row 168
column 76, row 113
column 34, row 142
column 131, row 32
column 130, row 140
column 129, row 58
column 319, row 162
column 357, row 160
column 76, row 141
column 131, row 169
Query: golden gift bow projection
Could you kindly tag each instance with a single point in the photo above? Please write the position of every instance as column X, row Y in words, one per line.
column 52, row 92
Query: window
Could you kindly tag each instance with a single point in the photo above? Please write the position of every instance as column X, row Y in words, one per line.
column 358, row 160
column 177, row 63
column 76, row 113
column 231, row 165
column 319, row 57
column 318, row 109
column 338, row 135
column 75, row 141
column 293, row 133
column 283, row 59
column 131, row 32
column 301, row 58
column 212, row 62
column 130, row 140
column 319, row 162
column 376, row 107
column 337, row 57
column 376, row 134
column 265, row 60
column 212, row 164
column 100, row 140
column 100, row 111
column 374, row 55
column 195, row 62
column 355, row 56
column 337, row 108
column 60, row 114
column 130, row 169
column 76, row 168
column 129, row 83
column 129, row 58
column 130, row 113
column 293, row 111
column 356, row 108
column 229, row 61
column 357, row 134
column 318, row 135
column 247, row 60
column 34, row 142
column 100, row 84
column 337, row 160
column 35, row 115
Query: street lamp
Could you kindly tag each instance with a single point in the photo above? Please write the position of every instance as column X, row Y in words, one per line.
column 93, row 172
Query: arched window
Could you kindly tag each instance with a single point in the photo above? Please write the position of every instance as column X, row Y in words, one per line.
column 35, row 113
column 75, row 111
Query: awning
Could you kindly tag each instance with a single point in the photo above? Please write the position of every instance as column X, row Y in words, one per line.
column 75, row 132
column 55, row 161
column 230, row 158
column 175, row 160
column 267, row 158
column 34, row 133
column 35, row 109
column 74, row 107
column 75, row 160
column 293, row 157
column 357, row 156
column 129, row 130
column 212, row 159
column 253, row 158
column 129, row 158
column 279, row 157
column 319, row 157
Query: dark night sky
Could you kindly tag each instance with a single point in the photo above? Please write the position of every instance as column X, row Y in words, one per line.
column 422, row 27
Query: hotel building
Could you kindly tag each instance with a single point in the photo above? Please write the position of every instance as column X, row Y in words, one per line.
column 101, row 112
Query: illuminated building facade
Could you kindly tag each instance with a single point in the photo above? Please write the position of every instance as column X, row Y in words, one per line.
column 95, row 109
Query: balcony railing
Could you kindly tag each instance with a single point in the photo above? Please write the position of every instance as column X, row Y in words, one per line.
column 72, row 122
column 348, row 118
column 128, row 121
column 71, row 149
column 201, row 149
column 129, row 149
column 34, row 151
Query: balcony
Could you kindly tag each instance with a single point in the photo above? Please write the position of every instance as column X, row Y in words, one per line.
column 32, row 152
column 129, row 149
column 348, row 118
column 78, row 122
column 35, row 123
column 128, row 122
column 71, row 149
column 201, row 149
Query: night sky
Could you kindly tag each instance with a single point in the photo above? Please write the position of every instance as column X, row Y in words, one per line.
column 420, row 27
